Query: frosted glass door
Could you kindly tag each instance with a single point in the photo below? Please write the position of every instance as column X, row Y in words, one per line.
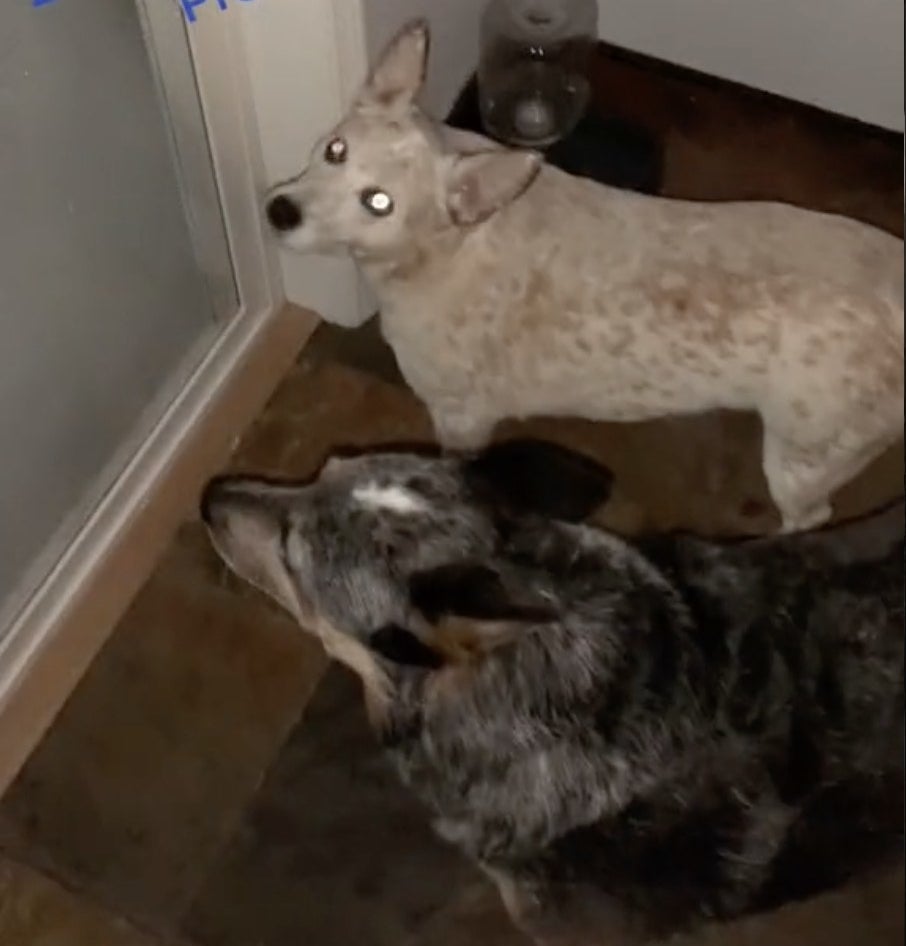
column 114, row 266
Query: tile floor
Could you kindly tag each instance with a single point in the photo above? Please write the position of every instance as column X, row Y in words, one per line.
column 212, row 782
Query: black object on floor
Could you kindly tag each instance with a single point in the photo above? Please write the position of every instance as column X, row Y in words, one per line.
column 607, row 150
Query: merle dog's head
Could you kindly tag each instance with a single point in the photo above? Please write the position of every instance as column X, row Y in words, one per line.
column 379, row 548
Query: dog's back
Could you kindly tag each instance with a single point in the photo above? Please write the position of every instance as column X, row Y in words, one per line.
column 684, row 736
column 814, row 621
column 812, row 681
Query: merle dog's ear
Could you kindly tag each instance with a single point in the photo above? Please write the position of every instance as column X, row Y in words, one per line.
column 536, row 476
column 469, row 609
column 472, row 590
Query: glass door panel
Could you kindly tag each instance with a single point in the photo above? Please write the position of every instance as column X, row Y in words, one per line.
column 114, row 262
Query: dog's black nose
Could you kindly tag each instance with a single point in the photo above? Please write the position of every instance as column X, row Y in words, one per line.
column 283, row 213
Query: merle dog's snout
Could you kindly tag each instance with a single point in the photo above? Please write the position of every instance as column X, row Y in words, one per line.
column 283, row 213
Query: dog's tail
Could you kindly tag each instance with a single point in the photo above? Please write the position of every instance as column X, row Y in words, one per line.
column 867, row 538
column 874, row 537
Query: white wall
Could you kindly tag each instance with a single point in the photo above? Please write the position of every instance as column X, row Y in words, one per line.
column 455, row 30
column 842, row 55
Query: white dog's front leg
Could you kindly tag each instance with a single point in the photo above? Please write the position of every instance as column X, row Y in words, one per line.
column 462, row 431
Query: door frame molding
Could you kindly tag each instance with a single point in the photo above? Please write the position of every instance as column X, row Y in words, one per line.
column 48, row 643
column 53, row 640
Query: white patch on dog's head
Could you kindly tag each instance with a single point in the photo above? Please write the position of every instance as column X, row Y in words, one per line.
column 389, row 499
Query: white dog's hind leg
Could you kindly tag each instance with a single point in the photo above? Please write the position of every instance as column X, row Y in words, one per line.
column 795, row 478
column 803, row 479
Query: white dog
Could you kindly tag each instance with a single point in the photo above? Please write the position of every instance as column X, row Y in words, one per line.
column 509, row 288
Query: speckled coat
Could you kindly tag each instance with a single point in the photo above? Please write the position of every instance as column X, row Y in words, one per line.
column 509, row 288
column 625, row 735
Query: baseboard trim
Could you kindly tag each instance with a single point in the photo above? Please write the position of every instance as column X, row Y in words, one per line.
column 808, row 111
column 53, row 640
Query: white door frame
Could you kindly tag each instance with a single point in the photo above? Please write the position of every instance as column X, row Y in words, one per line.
column 48, row 643
column 286, row 64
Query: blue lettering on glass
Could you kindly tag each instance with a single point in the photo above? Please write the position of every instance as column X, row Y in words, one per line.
column 188, row 6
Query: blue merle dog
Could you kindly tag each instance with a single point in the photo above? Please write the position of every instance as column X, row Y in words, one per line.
column 626, row 735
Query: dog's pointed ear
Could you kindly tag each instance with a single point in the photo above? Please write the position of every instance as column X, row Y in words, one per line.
column 478, row 185
column 468, row 610
column 399, row 75
column 540, row 478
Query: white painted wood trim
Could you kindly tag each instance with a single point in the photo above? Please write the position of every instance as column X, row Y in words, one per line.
column 222, row 67
column 306, row 59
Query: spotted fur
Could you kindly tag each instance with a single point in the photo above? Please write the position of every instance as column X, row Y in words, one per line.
column 509, row 288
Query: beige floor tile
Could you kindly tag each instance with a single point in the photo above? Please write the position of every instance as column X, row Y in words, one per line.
column 320, row 408
column 866, row 913
column 149, row 764
column 701, row 474
column 363, row 348
column 35, row 911
column 335, row 852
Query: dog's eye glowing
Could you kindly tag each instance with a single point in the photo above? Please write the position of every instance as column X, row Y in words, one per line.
column 377, row 202
column 336, row 151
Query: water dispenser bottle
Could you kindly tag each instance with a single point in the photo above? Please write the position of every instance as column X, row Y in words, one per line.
column 533, row 71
